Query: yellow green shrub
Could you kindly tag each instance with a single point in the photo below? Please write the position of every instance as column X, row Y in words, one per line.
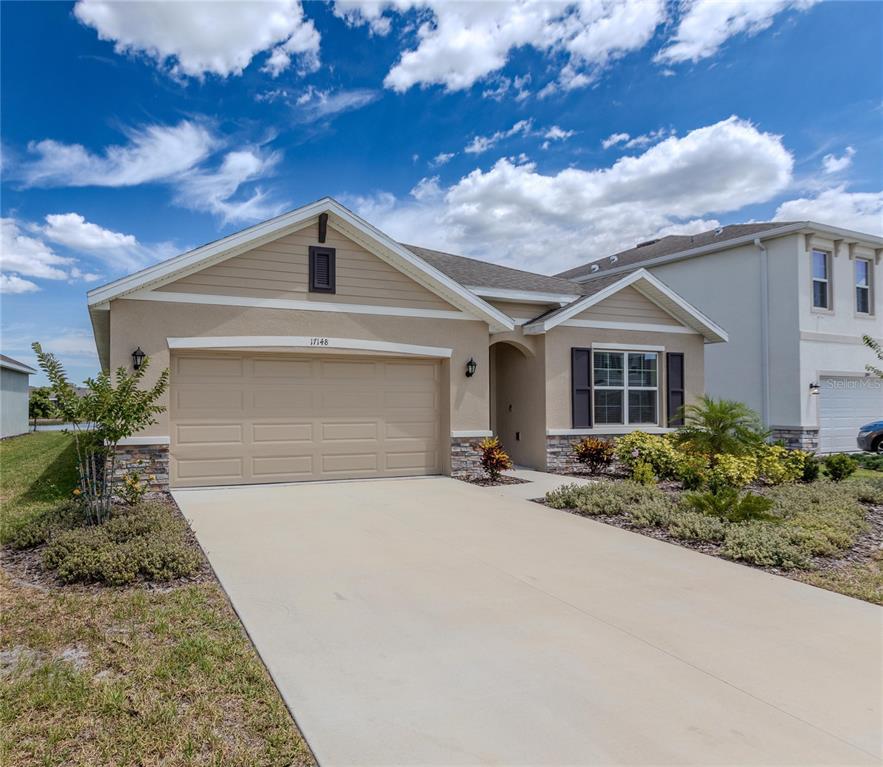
column 652, row 449
column 733, row 471
column 776, row 465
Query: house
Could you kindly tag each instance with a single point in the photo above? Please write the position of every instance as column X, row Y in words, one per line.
column 314, row 346
column 796, row 299
column 13, row 396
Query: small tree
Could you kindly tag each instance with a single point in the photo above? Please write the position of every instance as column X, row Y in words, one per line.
column 875, row 347
column 40, row 405
column 109, row 412
column 716, row 427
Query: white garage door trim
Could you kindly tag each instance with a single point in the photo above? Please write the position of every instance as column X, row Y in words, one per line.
column 306, row 342
column 844, row 407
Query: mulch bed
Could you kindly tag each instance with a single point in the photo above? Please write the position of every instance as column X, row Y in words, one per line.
column 862, row 552
column 483, row 481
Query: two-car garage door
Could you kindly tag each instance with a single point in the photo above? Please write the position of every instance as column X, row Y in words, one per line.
column 240, row 418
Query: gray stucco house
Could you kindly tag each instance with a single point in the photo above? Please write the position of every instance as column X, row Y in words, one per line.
column 13, row 396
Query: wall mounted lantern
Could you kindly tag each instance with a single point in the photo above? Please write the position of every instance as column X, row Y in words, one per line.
column 471, row 367
column 137, row 358
column 814, row 389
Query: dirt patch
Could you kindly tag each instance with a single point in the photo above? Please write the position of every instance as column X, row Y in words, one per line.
column 486, row 482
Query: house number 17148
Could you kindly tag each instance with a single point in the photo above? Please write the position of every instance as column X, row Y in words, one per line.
column 318, row 342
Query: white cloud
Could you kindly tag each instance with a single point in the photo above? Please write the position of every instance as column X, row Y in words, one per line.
column 314, row 104
column 29, row 256
column 639, row 142
column 195, row 38
column 481, row 144
column 213, row 190
column 442, row 158
column 459, row 44
column 120, row 251
column 359, row 13
column 705, row 25
column 693, row 226
column 615, row 138
column 832, row 164
column 153, row 153
column 862, row 211
column 10, row 283
column 558, row 134
column 515, row 214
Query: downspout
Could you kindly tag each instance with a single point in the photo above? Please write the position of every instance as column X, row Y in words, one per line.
column 764, row 332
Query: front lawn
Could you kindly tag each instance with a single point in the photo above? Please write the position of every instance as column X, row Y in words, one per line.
column 145, row 674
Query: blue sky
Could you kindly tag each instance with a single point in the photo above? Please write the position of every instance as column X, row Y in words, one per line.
column 535, row 135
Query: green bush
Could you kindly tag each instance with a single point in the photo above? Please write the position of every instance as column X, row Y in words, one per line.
column 866, row 490
column 763, row 543
column 777, row 465
column 642, row 473
column 644, row 505
column 692, row 471
column 597, row 454
column 872, row 461
column 839, row 466
column 729, row 505
column 811, row 468
column 148, row 541
column 35, row 529
column 653, row 449
column 693, row 526
column 734, row 471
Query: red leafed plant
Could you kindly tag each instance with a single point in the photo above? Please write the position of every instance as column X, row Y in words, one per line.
column 493, row 458
column 597, row 454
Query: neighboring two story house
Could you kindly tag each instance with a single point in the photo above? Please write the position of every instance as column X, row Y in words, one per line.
column 796, row 299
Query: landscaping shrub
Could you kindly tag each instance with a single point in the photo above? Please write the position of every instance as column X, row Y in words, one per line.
column 35, row 529
column 839, row 466
column 732, row 471
column 645, row 505
column 822, row 519
column 693, row 526
column 595, row 453
column 728, row 504
column 763, row 543
column 871, row 461
column 133, row 488
column 494, row 458
column 642, row 472
column 811, row 468
column 777, row 465
column 692, row 471
column 653, row 449
column 866, row 490
column 715, row 427
column 148, row 541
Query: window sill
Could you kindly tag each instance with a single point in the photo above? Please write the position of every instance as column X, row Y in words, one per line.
column 617, row 429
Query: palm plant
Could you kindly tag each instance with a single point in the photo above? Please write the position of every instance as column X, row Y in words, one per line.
column 714, row 427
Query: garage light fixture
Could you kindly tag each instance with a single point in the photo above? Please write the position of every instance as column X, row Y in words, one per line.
column 471, row 367
column 814, row 388
column 137, row 358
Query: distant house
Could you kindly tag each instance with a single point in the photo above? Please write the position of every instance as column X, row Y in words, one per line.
column 13, row 396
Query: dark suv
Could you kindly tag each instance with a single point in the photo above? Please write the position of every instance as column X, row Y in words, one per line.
column 870, row 437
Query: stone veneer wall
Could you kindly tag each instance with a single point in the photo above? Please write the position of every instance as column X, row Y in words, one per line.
column 465, row 456
column 804, row 439
column 559, row 451
column 146, row 461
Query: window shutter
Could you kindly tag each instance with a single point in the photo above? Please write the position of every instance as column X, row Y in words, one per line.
column 674, row 380
column 322, row 271
column 581, row 388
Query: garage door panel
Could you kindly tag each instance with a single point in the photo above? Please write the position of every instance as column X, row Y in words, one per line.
column 282, row 432
column 208, row 434
column 244, row 418
column 845, row 404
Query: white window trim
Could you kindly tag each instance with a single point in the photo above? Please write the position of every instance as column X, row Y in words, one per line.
column 829, row 281
column 625, row 350
column 610, row 429
column 870, row 287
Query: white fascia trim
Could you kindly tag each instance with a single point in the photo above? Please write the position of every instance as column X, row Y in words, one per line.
column 474, row 433
column 628, row 347
column 346, row 221
column 309, row 306
column 145, row 441
column 313, row 343
column 18, row 367
column 639, row 326
column 607, row 430
column 799, row 227
column 523, row 296
column 713, row 332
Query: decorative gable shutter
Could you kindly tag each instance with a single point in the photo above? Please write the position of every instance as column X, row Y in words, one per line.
column 322, row 271
column 581, row 391
column 674, row 379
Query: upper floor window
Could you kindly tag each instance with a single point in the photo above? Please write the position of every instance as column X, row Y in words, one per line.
column 821, row 279
column 863, row 286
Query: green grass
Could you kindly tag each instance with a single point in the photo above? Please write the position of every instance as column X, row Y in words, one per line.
column 125, row 676
column 861, row 473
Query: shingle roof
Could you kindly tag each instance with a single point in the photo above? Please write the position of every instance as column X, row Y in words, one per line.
column 472, row 272
column 670, row 245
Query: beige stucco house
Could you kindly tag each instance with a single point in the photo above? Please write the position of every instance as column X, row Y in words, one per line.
column 313, row 346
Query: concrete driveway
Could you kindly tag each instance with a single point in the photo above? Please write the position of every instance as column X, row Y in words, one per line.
column 431, row 622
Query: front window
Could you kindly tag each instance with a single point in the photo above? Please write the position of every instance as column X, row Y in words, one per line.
column 863, row 286
column 821, row 282
column 626, row 387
